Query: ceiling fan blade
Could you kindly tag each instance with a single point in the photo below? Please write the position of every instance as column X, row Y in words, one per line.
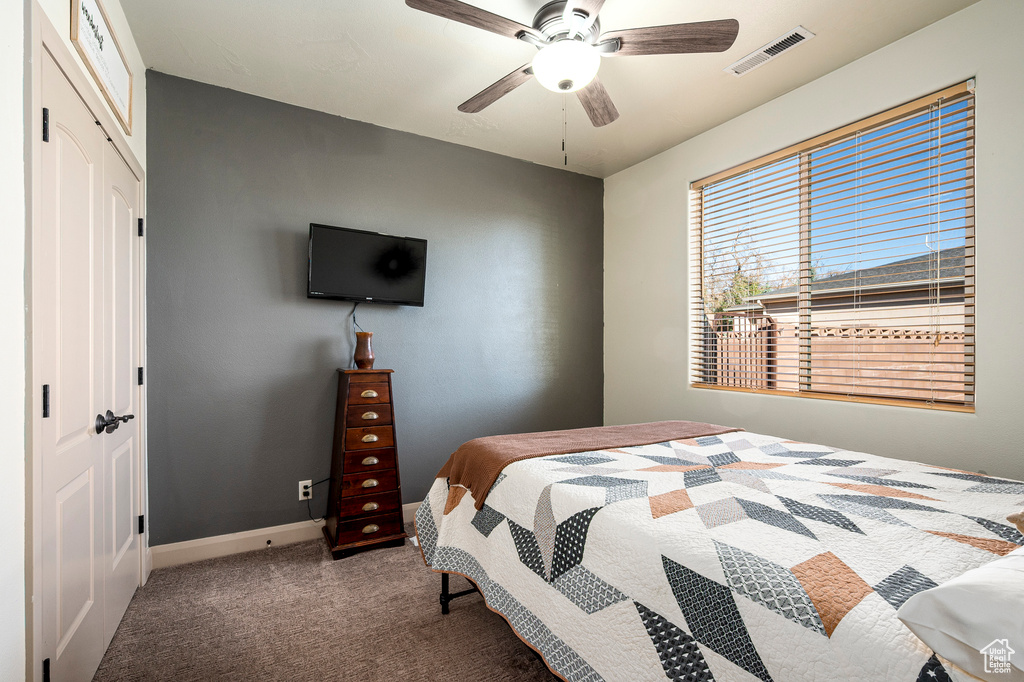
column 472, row 16
column 701, row 36
column 576, row 26
column 591, row 7
column 493, row 93
column 598, row 104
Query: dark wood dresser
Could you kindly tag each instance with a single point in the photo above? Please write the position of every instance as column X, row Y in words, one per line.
column 364, row 507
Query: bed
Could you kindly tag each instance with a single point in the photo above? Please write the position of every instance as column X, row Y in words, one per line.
column 732, row 556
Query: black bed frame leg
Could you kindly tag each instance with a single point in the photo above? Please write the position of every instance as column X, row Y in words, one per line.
column 447, row 596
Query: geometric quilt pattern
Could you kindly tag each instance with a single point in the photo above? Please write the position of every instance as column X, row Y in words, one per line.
column 851, row 504
column 809, row 511
column 527, row 548
column 570, row 541
column 770, row 584
column 1000, row 547
column 882, row 481
column 732, row 557
column 774, row 517
column 721, row 512
column 744, row 478
column 902, row 585
column 1008, row 533
column 713, row 618
column 486, row 519
column 932, row 671
column 976, row 478
column 834, row 587
column 586, row 590
column 885, row 502
column 998, row 488
column 680, row 656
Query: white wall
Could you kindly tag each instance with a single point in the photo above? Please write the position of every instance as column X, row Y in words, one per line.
column 646, row 258
column 59, row 14
column 12, row 342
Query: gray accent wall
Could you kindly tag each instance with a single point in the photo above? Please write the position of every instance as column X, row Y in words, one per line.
column 241, row 365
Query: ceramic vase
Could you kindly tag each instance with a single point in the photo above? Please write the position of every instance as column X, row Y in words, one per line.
column 364, row 350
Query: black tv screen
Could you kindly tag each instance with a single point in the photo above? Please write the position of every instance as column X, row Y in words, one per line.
column 355, row 265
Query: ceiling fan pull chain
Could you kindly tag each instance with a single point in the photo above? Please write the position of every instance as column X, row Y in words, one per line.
column 565, row 153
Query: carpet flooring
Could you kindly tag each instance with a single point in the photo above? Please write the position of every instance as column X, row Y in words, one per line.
column 292, row 613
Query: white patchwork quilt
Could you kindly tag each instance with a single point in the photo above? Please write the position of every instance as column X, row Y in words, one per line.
column 737, row 557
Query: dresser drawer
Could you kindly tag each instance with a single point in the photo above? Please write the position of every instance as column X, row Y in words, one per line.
column 357, row 461
column 369, row 437
column 369, row 482
column 368, row 528
column 368, row 377
column 368, row 394
column 368, row 415
column 363, row 505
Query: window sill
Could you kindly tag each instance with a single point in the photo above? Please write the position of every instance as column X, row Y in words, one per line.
column 892, row 402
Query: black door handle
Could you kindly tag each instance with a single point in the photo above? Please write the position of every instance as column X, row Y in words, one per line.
column 110, row 422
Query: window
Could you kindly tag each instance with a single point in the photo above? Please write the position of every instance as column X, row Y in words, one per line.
column 843, row 267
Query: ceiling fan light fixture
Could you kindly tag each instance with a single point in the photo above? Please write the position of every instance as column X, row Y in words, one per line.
column 566, row 65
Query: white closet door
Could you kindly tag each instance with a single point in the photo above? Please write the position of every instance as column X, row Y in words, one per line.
column 84, row 303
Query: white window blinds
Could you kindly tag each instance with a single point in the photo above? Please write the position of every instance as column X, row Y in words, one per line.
column 843, row 267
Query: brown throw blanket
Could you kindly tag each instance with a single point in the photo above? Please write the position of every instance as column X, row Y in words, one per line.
column 477, row 463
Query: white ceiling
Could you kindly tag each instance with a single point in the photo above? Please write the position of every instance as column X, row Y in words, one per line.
column 382, row 62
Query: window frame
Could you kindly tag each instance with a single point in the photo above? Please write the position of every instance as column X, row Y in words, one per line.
column 801, row 151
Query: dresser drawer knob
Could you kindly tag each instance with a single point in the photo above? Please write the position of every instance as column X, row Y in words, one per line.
column 368, row 416
column 370, row 461
column 371, row 483
column 371, row 506
column 372, row 528
column 369, row 393
column 371, row 438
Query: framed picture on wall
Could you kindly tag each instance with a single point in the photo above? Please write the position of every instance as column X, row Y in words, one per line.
column 95, row 41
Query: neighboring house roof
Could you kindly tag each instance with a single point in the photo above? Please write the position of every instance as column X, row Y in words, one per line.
column 916, row 269
column 743, row 307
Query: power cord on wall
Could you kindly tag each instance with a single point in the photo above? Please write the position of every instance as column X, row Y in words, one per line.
column 309, row 509
column 355, row 326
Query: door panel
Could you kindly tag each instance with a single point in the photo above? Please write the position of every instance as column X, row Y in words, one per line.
column 76, row 557
column 121, row 297
column 121, row 448
column 67, row 281
column 122, row 499
column 75, row 177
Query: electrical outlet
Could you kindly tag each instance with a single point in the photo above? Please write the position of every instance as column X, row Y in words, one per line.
column 306, row 490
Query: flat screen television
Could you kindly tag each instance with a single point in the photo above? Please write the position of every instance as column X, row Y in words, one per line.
column 367, row 267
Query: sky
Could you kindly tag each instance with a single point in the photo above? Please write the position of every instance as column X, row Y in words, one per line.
column 898, row 191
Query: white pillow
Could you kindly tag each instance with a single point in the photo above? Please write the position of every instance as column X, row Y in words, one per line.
column 969, row 618
column 1017, row 519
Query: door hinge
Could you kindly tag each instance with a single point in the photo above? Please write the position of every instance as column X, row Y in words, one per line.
column 140, row 376
column 46, row 670
column 142, row 524
column 46, row 400
column 46, row 124
column 140, row 226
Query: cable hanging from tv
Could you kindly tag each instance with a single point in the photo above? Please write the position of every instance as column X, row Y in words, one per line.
column 355, row 325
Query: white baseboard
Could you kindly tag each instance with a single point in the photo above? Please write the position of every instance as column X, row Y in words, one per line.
column 186, row 552
column 409, row 511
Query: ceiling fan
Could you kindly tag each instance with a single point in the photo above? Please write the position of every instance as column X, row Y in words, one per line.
column 568, row 35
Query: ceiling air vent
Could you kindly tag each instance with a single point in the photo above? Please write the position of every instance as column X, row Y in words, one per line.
column 770, row 51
